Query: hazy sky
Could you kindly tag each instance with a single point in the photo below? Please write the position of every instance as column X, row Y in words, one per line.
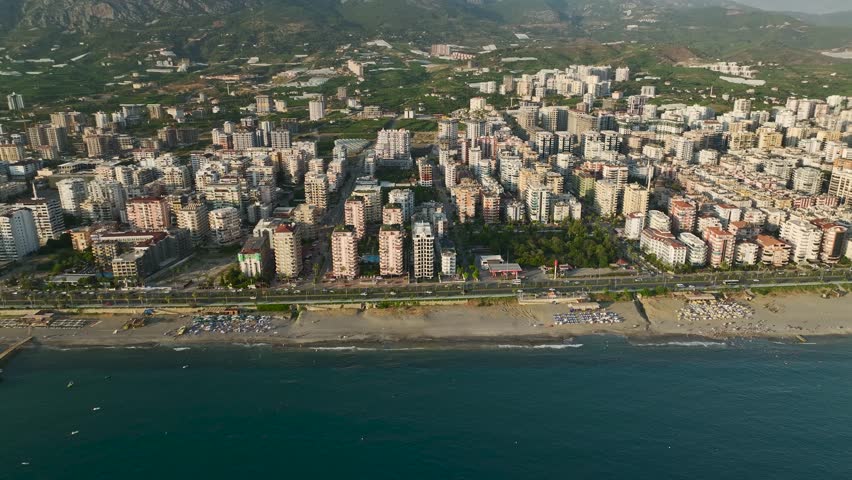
column 807, row 6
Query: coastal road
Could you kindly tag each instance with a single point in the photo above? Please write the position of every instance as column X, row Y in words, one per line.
column 415, row 292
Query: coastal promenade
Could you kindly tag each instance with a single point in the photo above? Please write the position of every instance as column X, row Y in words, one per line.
column 325, row 294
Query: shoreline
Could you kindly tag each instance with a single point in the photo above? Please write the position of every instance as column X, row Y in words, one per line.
column 780, row 317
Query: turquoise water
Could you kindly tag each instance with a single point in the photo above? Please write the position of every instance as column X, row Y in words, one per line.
column 605, row 410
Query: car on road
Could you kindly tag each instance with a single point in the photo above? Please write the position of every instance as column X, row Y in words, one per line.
column 429, row 292
column 680, row 285
column 364, row 294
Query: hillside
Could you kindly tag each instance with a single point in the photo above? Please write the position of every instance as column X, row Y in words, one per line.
column 71, row 48
column 836, row 19
column 195, row 25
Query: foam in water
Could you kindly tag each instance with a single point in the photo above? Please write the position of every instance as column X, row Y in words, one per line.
column 558, row 346
column 343, row 349
column 682, row 344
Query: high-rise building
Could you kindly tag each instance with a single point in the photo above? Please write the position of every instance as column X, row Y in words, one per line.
column 287, row 245
column 697, row 249
column 263, row 104
column 148, row 213
column 316, row 109
column 424, row 250
column 316, row 190
column 392, row 214
column 538, row 201
column 48, row 218
column 635, row 199
column 721, row 244
column 344, row 252
column 372, row 195
column 663, row 245
column 466, row 196
column 606, row 198
column 15, row 101
column 11, row 152
column 424, row 172
column 490, row 207
column 307, row 219
column 280, row 139
column 805, row 240
column 403, row 198
column 634, row 223
column 357, row 68
column 658, row 220
column 391, row 252
column 448, row 132
column 808, row 180
column 194, row 217
column 18, row 234
column 833, row 241
column 354, row 214
column 841, row 180
column 224, row 225
column 773, row 252
column 244, row 139
column 393, row 148
column 683, row 215
column 72, row 193
column 176, row 177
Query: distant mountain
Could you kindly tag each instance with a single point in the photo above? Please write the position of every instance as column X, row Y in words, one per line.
column 88, row 14
column 222, row 29
column 836, row 19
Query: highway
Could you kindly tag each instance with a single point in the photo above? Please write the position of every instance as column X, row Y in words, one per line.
column 414, row 292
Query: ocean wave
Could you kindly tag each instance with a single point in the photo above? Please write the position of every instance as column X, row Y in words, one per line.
column 181, row 349
column 682, row 344
column 343, row 349
column 80, row 348
column 558, row 346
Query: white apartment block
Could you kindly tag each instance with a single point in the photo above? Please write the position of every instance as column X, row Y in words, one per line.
column 224, row 225
column 805, row 239
column 18, row 234
column 668, row 250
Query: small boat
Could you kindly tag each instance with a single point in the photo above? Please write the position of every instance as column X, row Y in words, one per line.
column 185, row 366
column 70, row 384
column 75, row 432
column 96, row 409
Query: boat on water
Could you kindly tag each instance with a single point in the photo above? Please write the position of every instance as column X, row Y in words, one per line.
column 70, row 384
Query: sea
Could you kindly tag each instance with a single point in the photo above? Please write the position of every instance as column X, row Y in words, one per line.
column 602, row 407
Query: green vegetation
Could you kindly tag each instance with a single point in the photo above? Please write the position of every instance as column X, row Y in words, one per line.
column 234, row 278
column 395, row 175
column 574, row 244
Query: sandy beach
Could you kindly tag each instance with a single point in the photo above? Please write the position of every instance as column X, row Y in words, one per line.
column 774, row 316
